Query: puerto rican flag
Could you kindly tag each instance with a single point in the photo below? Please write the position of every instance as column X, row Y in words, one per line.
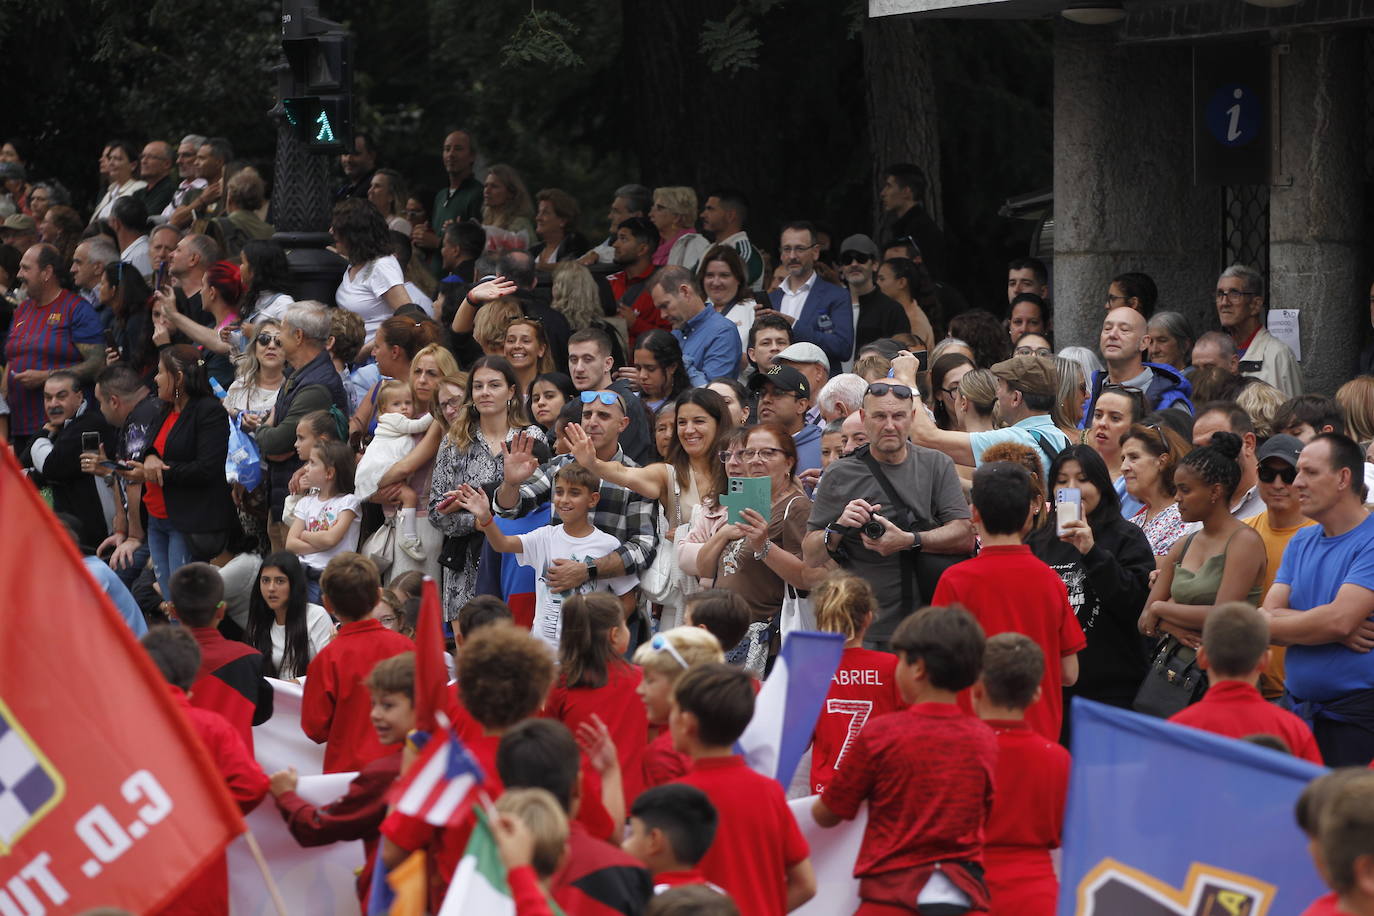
column 440, row 788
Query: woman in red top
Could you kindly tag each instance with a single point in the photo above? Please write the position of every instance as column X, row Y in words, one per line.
column 593, row 677
column 864, row 685
column 187, row 498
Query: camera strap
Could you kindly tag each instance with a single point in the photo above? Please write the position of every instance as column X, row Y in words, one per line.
column 906, row 558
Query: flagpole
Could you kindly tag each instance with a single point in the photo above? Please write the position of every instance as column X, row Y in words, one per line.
column 258, row 857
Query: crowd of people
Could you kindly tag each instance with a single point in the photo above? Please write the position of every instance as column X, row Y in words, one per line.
column 634, row 462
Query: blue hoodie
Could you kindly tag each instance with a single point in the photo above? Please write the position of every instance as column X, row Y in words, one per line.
column 1167, row 389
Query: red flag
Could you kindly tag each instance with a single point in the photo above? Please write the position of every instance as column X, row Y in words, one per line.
column 107, row 798
column 431, row 671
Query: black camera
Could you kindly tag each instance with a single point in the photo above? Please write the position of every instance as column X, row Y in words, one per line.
column 902, row 518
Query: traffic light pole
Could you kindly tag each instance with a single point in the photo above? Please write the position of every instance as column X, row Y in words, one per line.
column 300, row 188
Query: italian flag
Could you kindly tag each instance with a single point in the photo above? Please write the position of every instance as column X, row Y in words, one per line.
column 479, row 882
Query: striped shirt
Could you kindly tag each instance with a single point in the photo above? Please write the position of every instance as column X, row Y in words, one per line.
column 45, row 337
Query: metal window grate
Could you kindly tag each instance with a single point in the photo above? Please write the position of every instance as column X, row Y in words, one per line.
column 1245, row 226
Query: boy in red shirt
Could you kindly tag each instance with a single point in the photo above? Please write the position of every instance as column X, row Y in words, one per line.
column 671, row 828
column 1308, row 812
column 682, row 648
column 177, row 656
column 1009, row 589
column 1345, row 845
column 230, row 680
column 864, row 685
column 504, row 674
column 336, row 705
column 1235, row 651
column 1032, row 780
column 759, row 855
column 358, row 814
column 927, row 775
column 595, row 878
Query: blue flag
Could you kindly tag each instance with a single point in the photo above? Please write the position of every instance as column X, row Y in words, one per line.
column 380, row 896
column 789, row 704
column 1166, row 820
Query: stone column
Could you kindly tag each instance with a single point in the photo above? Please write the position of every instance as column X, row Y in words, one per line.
column 1124, row 198
column 1315, row 223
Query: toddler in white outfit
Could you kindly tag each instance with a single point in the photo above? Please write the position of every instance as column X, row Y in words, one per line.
column 392, row 442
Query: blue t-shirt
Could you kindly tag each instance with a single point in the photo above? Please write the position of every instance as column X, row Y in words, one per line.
column 1020, row 433
column 1315, row 567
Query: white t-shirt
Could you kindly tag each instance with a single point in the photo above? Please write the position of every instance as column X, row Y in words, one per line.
column 362, row 294
column 419, row 298
column 320, row 515
column 544, row 545
column 318, row 627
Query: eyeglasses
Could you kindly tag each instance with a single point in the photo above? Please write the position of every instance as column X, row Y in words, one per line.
column 797, row 249
column 605, row 397
column 880, row 389
column 749, row 454
column 1111, row 298
column 388, row 620
column 661, row 643
column 1233, row 296
column 451, row 404
column 269, row 340
column 1034, row 351
column 853, row 257
column 1267, row 474
column 951, row 391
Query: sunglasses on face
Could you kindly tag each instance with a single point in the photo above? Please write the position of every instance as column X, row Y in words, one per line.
column 1286, row 474
column 265, row 340
column 853, row 257
column 879, row 389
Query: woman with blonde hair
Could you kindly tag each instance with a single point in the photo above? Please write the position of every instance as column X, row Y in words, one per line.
column 489, row 327
column 1072, row 397
column 1356, row 398
column 577, row 299
column 674, row 214
column 976, row 405
column 1262, row 402
column 507, row 213
column 491, row 415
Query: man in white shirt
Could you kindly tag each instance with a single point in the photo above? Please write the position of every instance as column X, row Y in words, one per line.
column 129, row 221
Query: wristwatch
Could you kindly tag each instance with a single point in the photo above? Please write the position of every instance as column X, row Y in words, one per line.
column 916, row 540
column 831, row 534
column 590, row 563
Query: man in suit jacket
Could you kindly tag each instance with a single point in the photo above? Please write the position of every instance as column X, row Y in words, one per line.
column 819, row 312
column 55, row 455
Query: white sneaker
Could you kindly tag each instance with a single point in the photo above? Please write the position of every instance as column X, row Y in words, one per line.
column 412, row 547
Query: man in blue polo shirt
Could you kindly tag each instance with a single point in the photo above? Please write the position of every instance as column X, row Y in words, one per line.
column 1026, row 389
column 1322, row 599
column 707, row 351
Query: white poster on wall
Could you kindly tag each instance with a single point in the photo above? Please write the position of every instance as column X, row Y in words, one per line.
column 1283, row 324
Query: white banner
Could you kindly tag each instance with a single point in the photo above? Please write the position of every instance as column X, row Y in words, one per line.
column 833, row 852
column 319, row 880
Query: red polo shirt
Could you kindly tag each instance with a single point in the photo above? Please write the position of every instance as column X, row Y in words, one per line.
column 1026, row 822
column 757, row 839
column 1010, row 590
column 927, row 775
column 1236, row 709
column 657, row 762
column 617, row 705
column 336, row 706
column 647, row 314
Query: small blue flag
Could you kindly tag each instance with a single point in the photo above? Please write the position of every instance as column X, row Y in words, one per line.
column 789, row 704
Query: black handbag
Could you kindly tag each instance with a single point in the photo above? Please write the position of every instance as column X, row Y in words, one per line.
column 1174, row 681
column 920, row 569
column 461, row 552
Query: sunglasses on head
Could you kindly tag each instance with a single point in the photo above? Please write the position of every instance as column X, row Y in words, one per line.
column 854, row 257
column 608, row 398
column 1267, row 474
column 879, row 389
column 661, row 643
